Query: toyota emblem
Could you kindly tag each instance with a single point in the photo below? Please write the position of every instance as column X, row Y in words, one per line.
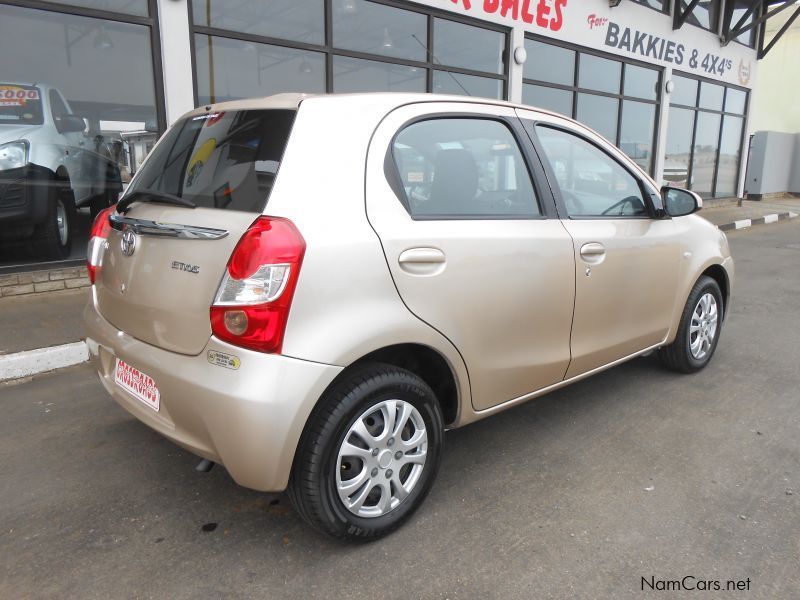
column 128, row 243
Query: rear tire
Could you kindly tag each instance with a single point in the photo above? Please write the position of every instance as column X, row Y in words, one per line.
column 369, row 455
column 699, row 329
column 52, row 239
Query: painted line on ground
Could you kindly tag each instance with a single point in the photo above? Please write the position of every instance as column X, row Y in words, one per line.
column 765, row 220
column 41, row 360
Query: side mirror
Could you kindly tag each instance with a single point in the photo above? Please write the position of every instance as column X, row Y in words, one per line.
column 70, row 124
column 679, row 202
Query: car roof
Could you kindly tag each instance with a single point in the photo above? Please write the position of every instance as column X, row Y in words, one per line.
column 379, row 101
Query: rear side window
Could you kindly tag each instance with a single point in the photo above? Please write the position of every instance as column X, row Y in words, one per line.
column 227, row 160
column 463, row 168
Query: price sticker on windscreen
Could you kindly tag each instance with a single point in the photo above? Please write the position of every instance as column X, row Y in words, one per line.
column 13, row 95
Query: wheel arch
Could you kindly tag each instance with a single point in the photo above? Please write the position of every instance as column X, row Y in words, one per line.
column 718, row 273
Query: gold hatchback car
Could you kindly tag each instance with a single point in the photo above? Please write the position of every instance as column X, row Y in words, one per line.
column 309, row 290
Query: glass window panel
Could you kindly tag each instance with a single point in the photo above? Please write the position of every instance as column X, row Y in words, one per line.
column 357, row 75
column 729, row 153
column 559, row 101
column 229, row 69
column 464, row 167
column 636, row 132
column 591, row 182
column 684, row 92
column 468, row 47
column 128, row 7
column 735, row 101
column 641, row 82
column 380, row 29
column 679, row 146
column 445, row 82
column 296, row 20
column 655, row 4
column 599, row 113
column 705, row 14
column 107, row 122
column 747, row 37
column 705, row 153
column 550, row 63
column 711, row 96
column 600, row 74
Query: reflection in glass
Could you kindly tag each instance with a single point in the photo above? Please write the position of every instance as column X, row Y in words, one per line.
column 230, row 69
column 445, row 82
column 705, row 14
column 357, row 75
column 729, row 152
column 128, row 7
column 297, row 20
column 468, row 47
column 600, row 74
column 711, row 96
column 554, row 99
column 380, row 29
column 735, row 101
column 636, row 132
column 684, row 92
column 599, row 113
column 90, row 119
column 678, row 146
column 641, row 82
column 549, row 63
column 705, row 153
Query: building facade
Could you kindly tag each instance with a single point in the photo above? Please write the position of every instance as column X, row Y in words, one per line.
column 675, row 100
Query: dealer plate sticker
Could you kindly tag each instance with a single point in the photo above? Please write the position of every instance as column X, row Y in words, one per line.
column 140, row 386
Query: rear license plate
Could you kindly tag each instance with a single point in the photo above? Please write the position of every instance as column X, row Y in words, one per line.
column 140, row 386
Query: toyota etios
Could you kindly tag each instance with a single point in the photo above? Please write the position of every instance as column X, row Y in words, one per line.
column 309, row 290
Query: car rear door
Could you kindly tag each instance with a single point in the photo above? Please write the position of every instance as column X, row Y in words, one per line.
column 472, row 242
column 627, row 261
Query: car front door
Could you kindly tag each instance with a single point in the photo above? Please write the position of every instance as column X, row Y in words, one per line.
column 627, row 261
column 475, row 248
column 73, row 145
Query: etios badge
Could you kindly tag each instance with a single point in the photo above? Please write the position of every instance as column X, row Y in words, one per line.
column 128, row 243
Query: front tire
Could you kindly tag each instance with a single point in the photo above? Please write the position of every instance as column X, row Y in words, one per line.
column 52, row 239
column 699, row 329
column 369, row 455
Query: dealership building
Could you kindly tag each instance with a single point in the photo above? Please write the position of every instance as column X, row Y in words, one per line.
column 669, row 81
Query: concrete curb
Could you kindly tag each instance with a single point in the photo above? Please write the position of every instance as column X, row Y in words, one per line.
column 765, row 220
column 41, row 360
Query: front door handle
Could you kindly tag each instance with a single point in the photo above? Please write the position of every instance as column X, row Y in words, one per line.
column 422, row 261
column 593, row 253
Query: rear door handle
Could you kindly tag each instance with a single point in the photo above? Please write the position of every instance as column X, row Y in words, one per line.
column 422, row 261
column 593, row 253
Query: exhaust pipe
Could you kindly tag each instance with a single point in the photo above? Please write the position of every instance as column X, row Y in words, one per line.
column 204, row 466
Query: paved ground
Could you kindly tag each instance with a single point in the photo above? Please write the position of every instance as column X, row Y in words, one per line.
column 750, row 209
column 41, row 320
column 635, row 473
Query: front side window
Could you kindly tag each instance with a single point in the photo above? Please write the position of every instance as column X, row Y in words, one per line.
column 466, row 168
column 591, row 182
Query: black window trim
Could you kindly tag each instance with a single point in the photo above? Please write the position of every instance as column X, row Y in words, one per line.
column 713, row 28
column 544, row 197
column 621, row 97
column 649, row 197
column 329, row 50
column 666, row 5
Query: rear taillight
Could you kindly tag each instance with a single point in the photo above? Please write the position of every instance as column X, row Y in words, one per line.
column 97, row 240
column 253, row 300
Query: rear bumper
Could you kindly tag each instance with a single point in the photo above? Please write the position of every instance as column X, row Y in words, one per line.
column 249, row 419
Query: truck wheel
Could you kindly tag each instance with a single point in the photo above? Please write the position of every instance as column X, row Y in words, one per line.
column 369, row 455
column 52, row 239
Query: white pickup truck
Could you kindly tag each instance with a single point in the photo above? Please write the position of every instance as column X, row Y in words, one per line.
column 49, row 166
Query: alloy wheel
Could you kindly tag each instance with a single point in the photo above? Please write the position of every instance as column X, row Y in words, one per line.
column 703, row 326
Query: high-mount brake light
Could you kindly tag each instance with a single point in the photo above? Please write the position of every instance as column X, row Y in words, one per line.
column 252, row 304
column 97, row 240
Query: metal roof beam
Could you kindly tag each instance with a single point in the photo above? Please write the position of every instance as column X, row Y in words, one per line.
column 762, row 51
column 679, row 17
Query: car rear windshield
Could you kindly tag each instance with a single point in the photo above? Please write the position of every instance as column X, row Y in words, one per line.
column 226, row 160
column 20, row 105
